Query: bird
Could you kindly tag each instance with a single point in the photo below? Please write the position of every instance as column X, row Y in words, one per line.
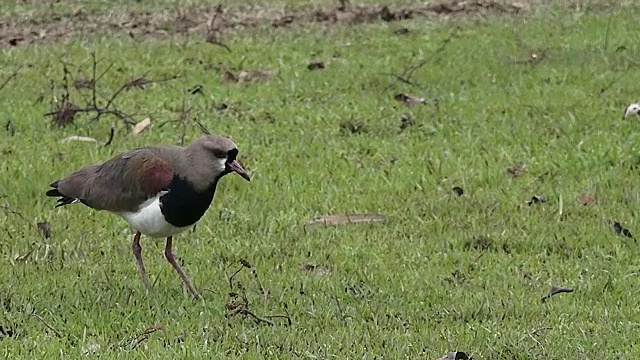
column 633, row 109
column 160, row 191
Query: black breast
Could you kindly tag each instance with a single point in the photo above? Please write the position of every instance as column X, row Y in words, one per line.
column 183, row 205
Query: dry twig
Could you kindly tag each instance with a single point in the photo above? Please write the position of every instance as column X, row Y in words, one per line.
column 64, row 111
column 144, row 335
column 10, row 77
column 408, row 71
column 49, row 326
column 239, row 304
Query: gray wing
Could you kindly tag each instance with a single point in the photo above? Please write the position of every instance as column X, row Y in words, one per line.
column 119, row 184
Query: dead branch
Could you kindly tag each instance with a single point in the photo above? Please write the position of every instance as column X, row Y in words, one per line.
column 64, row 111
column 283, row 316
column 104, row 72
column 556, row 290
column 263, row 291
column 10, row 77
column 70, row 110
column 144, row 335
column 139, row 83
column 533, row 333
column 202, row 127
column 232, row 276
column 218, row 43
column 94, row 80
column 239, row 303
column 214, row 29
column 244, row 311
column 183, row 119
column 138, row 341
column 49, row 326
column 111, row 134
column 408, row 71
column 608, row 86
column 401, row 79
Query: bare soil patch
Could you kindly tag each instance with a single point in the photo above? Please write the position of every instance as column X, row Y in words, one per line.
column 211, row 21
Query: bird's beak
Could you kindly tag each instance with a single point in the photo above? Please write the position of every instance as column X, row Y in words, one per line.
column 235, row 166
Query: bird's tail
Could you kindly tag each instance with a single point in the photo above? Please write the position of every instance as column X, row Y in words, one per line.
column 64, row 199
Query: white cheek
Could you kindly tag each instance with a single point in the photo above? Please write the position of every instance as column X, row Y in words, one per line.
column 222, row 165
column 632, row 109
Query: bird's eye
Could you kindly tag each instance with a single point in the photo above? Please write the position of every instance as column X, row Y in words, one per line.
column 219, row 154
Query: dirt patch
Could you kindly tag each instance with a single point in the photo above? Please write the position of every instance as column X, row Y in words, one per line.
column 45, row 27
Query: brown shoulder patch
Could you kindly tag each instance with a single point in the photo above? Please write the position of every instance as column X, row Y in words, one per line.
column 154, row 174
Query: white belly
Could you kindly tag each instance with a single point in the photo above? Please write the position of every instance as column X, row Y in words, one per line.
column 150, row 221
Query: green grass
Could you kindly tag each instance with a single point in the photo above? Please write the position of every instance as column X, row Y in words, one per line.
column 418, row 285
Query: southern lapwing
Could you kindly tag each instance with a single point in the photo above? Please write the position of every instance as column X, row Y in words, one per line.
column 633, row 109
column 159, row 190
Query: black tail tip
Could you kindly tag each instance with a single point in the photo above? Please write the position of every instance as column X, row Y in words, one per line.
column 54, row 192
column 64, row 199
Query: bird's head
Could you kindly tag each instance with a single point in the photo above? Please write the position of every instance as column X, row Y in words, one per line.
column 633, row 109
column 217, row 154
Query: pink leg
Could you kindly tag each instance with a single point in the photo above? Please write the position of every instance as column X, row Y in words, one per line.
column 168, row 253
column 137, row 252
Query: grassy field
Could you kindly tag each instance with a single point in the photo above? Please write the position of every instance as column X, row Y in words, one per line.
column 517, row 105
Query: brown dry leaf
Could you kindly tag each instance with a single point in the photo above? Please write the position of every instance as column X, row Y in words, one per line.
column 518, row 5
column 78, row 138
column 84, row 83
column 556, row 290
column 516, row 170
column 345, row 219
column 16, row 41
column 64, row 114
column 252, row 75
column 316, row 65
column 139, row 127
column 410, row 100
column 229, row 77
column 318, row 269
column 586, row 200
column 153, row 328
column 45, row 228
